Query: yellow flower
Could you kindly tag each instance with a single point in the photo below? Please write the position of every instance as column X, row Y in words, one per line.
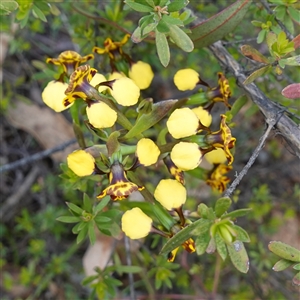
column 79, row 85
column 113, row 49
column 125, row 91
column 183, row 122
column 116, row 75
column 53, row 95
column 120, row 187
column 147, row 152
column 186, row 79
column 98, row 78
column 81, row 163
column 221, row 93
column 222, row 139
column 188, row 245
column 100, row 115
column 69, row 60
column 142, row 74
column 216, row 156
column 170, row 193
column 216, row 178
column 174, row 170
column 136, row 224
column 203, row 115
column 186, row 156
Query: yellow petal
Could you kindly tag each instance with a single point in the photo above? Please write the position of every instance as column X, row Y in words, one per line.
column 136, row 224
column 183, row 122
column 216, row 156
column 100, row 115
column 142, row 74
column 203, row 115
column 125, row 91
column 186, row 79
column 98, row 78
column 81, row 163
column 53, row 95
column 116, row 75
column 186, row 156
column 147, row 152
column 170, row 193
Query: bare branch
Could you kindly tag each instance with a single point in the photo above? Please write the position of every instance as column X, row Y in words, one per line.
column 288, row 128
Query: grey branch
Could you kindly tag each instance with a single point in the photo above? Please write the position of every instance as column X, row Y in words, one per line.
column 37, row 156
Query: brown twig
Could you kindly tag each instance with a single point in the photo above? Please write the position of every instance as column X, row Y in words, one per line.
column 288, row 128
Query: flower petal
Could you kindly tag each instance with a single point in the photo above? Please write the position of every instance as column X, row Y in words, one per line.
column 186, row 79
column 147, row 152
column 142, row 74
column 81, row 163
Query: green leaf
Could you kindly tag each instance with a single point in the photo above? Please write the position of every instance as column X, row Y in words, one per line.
column 163, row 27
column 181, row 39
column 91, row 233
column 237, row 105
column 241, row 234
column 296, row 267
column 237, row 213
column 257, row 73
column 137, row 36
column 219, row 25
column 201, row 242
column 8, row 6
column 285, row 251
column 177, row 5
column 261, row 36
column 146, row 121
column 294, row 13
column 162, row 48
column 172, row 21
column 75, row 208
column 138, row 6
column 129, row 269
column 82, row 233
column 87, row 203
column 291, row 61
column 238, row 256
column 38, row 13
column 102, row 204
column 68, row 219
column 179, row 238
column 222, row 206
column 99, row 219
column 282, row 265
column 203, row 210
column 296, row 279
column 221, row 246
column 162, row 215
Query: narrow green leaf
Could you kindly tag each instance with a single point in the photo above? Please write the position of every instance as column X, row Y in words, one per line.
column 138, row 6
column 75, row 208
column 294, row 13
column 146, row 121
column 285, row 251
column 68, row 219
column 129, row 269
column 296, row 267
column 237, row 105
column 241, row 234
column 201, row 242
column 282, row 265
column 193, row 229
column 181, row 39
column 202, row 210
column 177, row 5
column 221, row 246
column 291, row 61
column 219, row 25
column 89, row 279
column 237, row 213
column 257, row 74
column 162, row 48
column 101, row 204
column 38, row 13
column 222, row 206
column 87, row 203
column 91, row 233
column 202, row 227
column 238, row 256
column 172, row 21
column 162, row 215
column 82, row 234
column 99, row 219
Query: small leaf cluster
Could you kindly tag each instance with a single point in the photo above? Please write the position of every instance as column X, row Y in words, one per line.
column 290, row 256
column 163, row 21
column 90, row 217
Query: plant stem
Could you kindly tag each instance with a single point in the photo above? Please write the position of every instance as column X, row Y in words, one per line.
column 217, row 276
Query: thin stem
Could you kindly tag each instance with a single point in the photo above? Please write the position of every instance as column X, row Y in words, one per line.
column 217, row 276
column 251, row 160
column 129, row 263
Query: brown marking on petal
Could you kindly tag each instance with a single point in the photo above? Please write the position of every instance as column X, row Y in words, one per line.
column 189, row 245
